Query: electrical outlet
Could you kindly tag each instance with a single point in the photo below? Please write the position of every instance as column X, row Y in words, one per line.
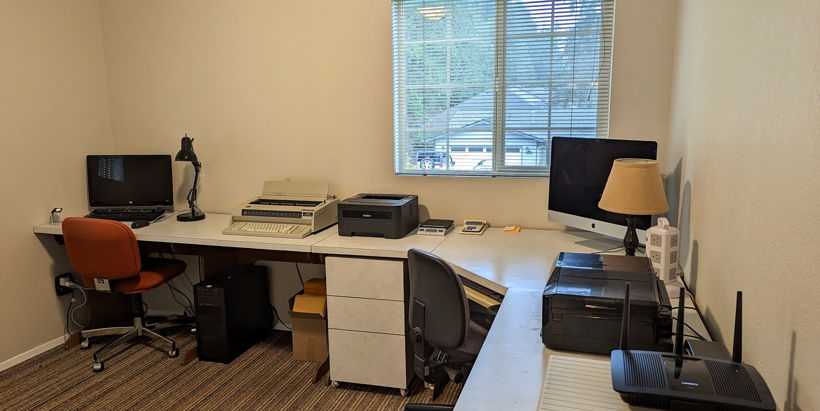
column 61, row 284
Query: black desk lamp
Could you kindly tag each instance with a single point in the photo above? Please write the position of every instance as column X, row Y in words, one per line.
column 186, row 153
column 634, row 188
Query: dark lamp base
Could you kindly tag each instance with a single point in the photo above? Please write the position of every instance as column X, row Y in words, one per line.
column 190, row 217
column 631, row 238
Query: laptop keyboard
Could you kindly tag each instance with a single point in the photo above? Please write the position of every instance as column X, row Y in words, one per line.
column 126, row 214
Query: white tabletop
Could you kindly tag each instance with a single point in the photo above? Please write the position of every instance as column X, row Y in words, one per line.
column 377, row 247
column 510, row 367
column 209, row 232
column 499, row 260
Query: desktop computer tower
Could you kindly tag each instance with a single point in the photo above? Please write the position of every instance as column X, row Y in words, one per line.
column 232, row 312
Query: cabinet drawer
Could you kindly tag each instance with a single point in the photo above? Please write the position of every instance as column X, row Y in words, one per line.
column 365, row 278
column 361, row 314
column 367, row 358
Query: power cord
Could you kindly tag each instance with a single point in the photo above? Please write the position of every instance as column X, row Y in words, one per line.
column 66, row 332
column 190, row 309
column 74, row 310
column 187, row 310
column 277, row 319
column 299, row 272
column 71, row 310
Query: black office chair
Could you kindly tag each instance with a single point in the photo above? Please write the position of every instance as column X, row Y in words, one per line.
column 445, row 341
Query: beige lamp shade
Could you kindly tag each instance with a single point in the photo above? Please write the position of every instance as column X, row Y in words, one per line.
column 634, row 187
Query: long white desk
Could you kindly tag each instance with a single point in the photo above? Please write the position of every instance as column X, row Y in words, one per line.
column 510, row 367
column 209, row 232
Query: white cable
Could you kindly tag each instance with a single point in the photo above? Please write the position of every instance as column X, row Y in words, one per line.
column 74, row 309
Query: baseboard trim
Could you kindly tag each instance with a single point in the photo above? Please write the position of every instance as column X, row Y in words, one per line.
column 17, row 359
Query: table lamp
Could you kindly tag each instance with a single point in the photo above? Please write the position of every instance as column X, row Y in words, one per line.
column 634, row 188
column 186, row 153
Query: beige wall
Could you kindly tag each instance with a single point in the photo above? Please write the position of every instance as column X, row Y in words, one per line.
column 53, row 111
column 274, row 89
column 745, row 128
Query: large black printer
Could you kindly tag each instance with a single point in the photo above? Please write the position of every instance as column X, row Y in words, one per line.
column 583, row 302
column 379, row 215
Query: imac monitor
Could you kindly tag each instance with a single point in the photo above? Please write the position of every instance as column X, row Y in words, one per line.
column 130, row 181
column 579, row 168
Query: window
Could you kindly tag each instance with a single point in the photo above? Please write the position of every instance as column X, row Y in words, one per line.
column 501, row 77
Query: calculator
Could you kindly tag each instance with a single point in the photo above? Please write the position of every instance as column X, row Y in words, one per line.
column 474, row 227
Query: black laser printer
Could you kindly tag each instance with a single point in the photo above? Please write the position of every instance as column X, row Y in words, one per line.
column 379, row 215
column 583, row 304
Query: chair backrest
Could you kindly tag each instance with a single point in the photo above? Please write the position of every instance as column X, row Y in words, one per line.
column 101, row 248
column 434, row 283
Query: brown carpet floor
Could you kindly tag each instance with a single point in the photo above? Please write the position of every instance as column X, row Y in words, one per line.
column 143, row 377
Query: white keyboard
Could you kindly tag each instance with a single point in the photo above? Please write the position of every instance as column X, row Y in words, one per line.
column 268, row 229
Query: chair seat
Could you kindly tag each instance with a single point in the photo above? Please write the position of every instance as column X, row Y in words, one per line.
column 473, row 340
column 155, row 272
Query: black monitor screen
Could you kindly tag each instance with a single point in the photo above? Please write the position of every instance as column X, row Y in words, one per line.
column 579, row 169
column 130, row 181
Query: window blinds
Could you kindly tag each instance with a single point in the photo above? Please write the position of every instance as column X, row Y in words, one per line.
column 481, row 86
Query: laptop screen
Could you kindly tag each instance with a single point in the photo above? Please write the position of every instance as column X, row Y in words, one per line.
column 130, row 181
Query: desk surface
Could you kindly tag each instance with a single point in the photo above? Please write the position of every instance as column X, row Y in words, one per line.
column 209, row 232
column 510, row 367
column 515, row 260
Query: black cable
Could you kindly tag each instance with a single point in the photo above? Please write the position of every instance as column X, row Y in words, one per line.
column 275, row 319
column 692, row 296
column 190, row 303
column 191, row 283
column 67, row 311
column 300, row 275
column 611, row 250
column 694, row 331
column 279, row 319
column 185, row 309
column 692, row 336
column 184, row 273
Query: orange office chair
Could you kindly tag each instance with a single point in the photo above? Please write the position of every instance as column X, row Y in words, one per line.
column 102, row 250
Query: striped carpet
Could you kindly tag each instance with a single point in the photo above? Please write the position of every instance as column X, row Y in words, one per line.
column 264, row 378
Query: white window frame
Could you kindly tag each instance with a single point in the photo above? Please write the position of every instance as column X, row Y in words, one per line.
column 499, row 127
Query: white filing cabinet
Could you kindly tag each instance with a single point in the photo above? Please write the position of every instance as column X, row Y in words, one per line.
column 366, row 322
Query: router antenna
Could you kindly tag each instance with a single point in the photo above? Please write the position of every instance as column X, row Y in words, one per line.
column 679, row 330
column 679, row 333
column 737, row 349
column 625, row 321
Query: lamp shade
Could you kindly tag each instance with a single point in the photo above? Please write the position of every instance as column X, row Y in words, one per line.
column 634, row 187
column 186, row 152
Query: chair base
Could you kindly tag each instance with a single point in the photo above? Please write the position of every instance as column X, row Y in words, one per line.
column 125, row 333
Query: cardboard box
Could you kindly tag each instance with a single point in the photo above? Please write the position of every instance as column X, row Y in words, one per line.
column 316, row 286
column 309, row 327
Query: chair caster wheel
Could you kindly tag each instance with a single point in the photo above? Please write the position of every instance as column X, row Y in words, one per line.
column 98, row 366
column 404, row 392
column 85, row 344
column 334, row 384
column 173, row 353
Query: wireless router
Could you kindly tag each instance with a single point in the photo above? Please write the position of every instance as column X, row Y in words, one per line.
column 675, row 381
